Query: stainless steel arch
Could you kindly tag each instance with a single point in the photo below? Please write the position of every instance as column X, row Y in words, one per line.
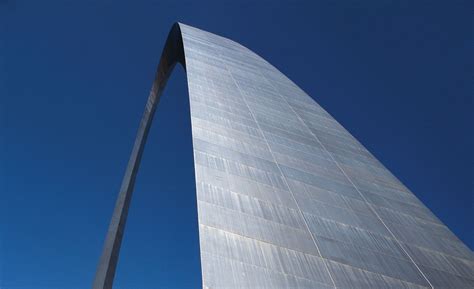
column 287, row 198
column 172, row 53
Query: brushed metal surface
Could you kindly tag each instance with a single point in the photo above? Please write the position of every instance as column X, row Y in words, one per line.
column 287, row 198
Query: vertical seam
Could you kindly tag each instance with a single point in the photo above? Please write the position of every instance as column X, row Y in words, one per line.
column 284, row 179
column 349, row 179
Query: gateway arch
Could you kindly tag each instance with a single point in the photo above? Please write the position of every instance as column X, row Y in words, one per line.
column 287, row 198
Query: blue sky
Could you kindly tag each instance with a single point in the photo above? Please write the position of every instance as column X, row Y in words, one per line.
column 75, row 75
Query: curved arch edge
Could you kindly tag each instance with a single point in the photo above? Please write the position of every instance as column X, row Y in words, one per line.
column 172, row 54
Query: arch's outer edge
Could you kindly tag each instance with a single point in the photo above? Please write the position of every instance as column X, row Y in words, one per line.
column 172, row 53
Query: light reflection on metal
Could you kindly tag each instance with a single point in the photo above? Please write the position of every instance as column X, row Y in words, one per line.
column 287, row 198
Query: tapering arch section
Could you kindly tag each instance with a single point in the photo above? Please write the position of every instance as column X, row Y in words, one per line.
column 287, row 198
column 172, row 54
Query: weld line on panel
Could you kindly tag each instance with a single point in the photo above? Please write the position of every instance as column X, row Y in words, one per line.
column 266, row 243
column 266, row 269
column 283, row 177
column 268, row 203
column 350, row 180
column 256, row 217
column 306, row 253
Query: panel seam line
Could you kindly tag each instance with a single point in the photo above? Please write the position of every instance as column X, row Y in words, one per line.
column 283, row 177
column 350, row 180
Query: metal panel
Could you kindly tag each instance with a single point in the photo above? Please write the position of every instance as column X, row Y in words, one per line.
column 340, row 202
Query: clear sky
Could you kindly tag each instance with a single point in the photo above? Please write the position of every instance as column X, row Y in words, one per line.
column 75, row 75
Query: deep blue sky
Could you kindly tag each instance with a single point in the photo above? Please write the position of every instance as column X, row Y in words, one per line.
column 75, row 75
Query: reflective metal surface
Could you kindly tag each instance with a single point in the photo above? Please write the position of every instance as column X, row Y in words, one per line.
column 287, row 198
